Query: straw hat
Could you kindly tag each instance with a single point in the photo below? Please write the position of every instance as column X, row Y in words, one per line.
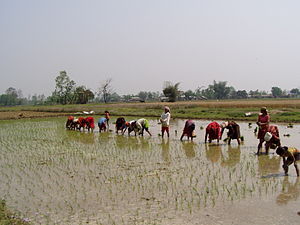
column 167, row 108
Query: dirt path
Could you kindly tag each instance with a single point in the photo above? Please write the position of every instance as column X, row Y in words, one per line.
column 28, row 114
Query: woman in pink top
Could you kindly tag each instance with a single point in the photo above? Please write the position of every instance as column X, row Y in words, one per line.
column 263, row 121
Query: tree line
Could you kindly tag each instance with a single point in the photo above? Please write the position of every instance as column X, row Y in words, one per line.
column 220, row 90
column 67, row 92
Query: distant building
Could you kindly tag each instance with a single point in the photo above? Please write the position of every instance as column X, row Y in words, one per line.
column 136, row 99
column 164, row 99
column 261, row 96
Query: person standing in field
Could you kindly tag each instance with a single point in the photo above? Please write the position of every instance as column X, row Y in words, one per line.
column 212, row 132
column 289, row 155
column 165, row 121
column 263, row 121
column 107, row 117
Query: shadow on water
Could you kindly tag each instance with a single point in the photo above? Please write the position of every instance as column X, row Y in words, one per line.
column 290, row 191
column 274, row 175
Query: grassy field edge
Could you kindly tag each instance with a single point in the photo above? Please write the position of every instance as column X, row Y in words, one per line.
column 281, row 110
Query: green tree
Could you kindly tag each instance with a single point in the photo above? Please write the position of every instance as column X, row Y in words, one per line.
column 83, row 95
column 241, row 94
column 114, row 97
column 143, row 95
column 152, row 96
column 64, row 89
column 171, row 91
column 126, row 98
column 12, row 97
column 256, row 93
column 36, row 99
column 189, row 95
column 220, row 89
column 276, row 92
column 207, row 93
column 12, row 92
column 295, row 92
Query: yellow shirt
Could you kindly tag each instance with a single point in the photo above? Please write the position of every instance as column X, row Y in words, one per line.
column 293, row 150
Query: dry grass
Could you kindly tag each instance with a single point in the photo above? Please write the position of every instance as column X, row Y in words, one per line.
column 270, row 103
column 28, row 114
column 283, row 109
column 245, row 103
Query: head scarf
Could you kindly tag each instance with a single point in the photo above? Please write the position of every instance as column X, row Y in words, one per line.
column 167, row 108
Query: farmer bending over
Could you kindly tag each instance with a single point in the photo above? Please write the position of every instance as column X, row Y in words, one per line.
column 289, row 156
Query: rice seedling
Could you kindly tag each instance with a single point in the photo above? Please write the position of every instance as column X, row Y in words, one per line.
column 88, row 175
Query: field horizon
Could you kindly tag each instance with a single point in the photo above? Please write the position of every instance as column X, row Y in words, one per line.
column 281, row 110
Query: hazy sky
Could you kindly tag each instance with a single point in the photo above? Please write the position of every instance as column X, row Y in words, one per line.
column 252, row 44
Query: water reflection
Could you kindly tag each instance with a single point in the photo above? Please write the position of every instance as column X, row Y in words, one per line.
column 290, row 191
column 84, row 138
column 132, row 142
column 105, row 136
column 145, row 143
column 121, row 141
column 165, row 150
column 268, row 164
column 213, row 152
column 189, row 149
column 234, row 156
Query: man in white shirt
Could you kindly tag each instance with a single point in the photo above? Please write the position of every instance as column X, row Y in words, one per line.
column 165, row 121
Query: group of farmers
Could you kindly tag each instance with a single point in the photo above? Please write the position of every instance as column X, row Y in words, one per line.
column 266, row 133
column 270, row 134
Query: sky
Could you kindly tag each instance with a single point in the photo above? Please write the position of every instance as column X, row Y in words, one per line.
column 139, row 44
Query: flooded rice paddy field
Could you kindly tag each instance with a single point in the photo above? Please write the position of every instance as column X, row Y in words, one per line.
column 56, row 176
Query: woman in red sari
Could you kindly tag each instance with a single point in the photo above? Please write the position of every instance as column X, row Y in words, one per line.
column 272, row 139
column 90, row 123
column 263, row 121
column 212, row 132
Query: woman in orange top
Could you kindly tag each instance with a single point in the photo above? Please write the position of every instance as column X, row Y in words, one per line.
column 263, row 121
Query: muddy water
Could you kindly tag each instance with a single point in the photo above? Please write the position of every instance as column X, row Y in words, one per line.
column 54, row 176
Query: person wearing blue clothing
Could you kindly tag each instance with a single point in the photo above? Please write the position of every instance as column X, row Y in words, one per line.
column 102, row 124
